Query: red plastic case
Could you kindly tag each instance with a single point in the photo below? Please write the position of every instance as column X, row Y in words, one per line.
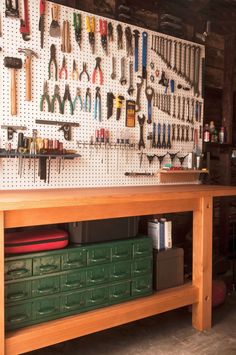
column 33, row 241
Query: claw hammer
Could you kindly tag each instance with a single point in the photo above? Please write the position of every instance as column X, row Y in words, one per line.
column 28, row 61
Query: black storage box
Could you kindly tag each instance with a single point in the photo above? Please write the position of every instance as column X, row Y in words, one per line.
column 103, row 230
column 168, row 268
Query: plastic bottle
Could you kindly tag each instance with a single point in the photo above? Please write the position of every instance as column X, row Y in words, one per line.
column 212, row 130
column 222, row 135
column 206, row 134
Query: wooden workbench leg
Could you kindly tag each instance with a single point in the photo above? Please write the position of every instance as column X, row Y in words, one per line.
column 2, row 325
column 202, row 263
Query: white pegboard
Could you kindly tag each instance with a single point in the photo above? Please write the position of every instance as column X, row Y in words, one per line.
column 97, row 166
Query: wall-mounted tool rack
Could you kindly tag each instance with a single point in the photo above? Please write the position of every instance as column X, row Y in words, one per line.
column 161, row 79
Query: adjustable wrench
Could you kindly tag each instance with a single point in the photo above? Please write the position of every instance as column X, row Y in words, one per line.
column 196, row 72
column 139, row 87
column 24, row 23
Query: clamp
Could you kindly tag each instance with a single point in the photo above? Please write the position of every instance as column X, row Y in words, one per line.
column 98, row 105
column 63, row 69
column 67, row 97
column 45, row 97
column 56, row 96
column 78, row 97
column 87, row 101
column 84, row 71
column 52, row 61
column 97, row 68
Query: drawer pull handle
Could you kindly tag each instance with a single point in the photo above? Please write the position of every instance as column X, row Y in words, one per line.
column 47, row 268
column 73, row 284
column 46, row 311
column 47, row 290
column 94, row 300
column 18, row 318
column 117, row 275
column 95, row 260
column 98, row 279
column 16, row 296
column 17, row 272
column 73, row 306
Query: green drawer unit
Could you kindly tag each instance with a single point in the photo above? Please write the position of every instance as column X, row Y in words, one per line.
column 97, row 297
column 18, row 268
column 120, row 292
column 97, row 275
column 120, row 271
column 45, row 286
column 18, row 315
column 98, row 254
column 74, row 259
column 73, row 280
column 142, row 247
column 73, row 302
column 48, row 264
column 17, row 291
column 46, row 307
column 141, row 267
column 141, row 286
column 122, row 251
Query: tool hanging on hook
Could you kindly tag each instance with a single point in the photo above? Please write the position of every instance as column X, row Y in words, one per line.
column 24, row 23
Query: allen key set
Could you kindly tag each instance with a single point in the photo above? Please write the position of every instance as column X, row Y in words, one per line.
column 128, row 99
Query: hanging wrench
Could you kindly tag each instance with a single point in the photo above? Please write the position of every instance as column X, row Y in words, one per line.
column 123, row 80
column 139, row 87
column 24, row 23
column 196, row 72
column 149, row 95
column 141, row 121
column 131, row 87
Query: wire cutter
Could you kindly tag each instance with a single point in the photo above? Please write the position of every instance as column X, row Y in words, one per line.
column 84, row 71
column 97, row 68
column 45, row 97
column 87, row 101
column 78, row 97
column 56, row 96
column 52, row 61
column 97, row 105
column 103, row 33
column 77, row 28
column 90, row 28
column 67, row 97
column 75, row 74
column 63, row 69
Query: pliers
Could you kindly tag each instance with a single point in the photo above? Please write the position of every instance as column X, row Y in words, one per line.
column 52, row 61
column 56, row 96
column 67, row 97
column 63, row 69
column 78, row 97
column 90, row 27
column 45, row 97
column 75, row 74
column 97, row 68
column 84, row 71
column 97, row 105
column 77, row 27
column 87, row 101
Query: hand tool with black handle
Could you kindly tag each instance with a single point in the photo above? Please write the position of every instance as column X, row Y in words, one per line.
column 168, row 144
column 110, row 32
column 98, row 105
column 24, row 23
column 77, row 23
column 10, row 10
column 150, row 159
column 119, row 31
column 154, row 145
column 42, row 10
column 139, row 87
column 52, row 61
column 54, row 30
column 63, row 126
column 13, row 64
column 149, row 95
column 129, row 43
column 119, row 103
column 163, row 145
column 160, row 159
column 29, row 54
column 136, row 35
column 110, row 98
column 97, row 69
column 67, row 97
column 13, row 129
column 159, row 135
column 141, row 121
column 45, row 97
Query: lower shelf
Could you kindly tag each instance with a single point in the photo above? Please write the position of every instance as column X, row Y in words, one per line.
column 53, row 332
column 178, row 176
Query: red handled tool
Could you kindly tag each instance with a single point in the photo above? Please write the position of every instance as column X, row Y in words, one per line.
column 103, row 32
column 97, row 68
column 24, row 23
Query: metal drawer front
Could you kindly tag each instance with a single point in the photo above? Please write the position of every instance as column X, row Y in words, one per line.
column 17, row 291
column 98, row 255
column 45, row 286
column 121, row 252
column 46, row 265
column 74, row 259
column 120, row 271
column 142, row 248
column 46, row 307
column 142, row 286
column 18, row 315
column 17, row 269
column 141, row 267
column 97, row 297
column 73, row 302
column 73, row 280
column 120, row 292
column 97, row 275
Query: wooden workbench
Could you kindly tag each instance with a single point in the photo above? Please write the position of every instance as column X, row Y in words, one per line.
column 27, row 208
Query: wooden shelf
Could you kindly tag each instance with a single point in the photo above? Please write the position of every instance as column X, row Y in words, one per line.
column 53, row 332
column 178, row 176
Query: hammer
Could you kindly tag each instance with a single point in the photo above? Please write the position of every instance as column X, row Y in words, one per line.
column 13, row 64
column 29, row 54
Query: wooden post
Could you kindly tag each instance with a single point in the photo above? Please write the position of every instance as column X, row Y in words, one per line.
column 2, row 323
column 202, row 263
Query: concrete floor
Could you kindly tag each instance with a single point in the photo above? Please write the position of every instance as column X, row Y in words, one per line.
column 168, row 333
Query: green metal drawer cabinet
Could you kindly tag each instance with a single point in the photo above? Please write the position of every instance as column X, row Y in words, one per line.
column 53, row 284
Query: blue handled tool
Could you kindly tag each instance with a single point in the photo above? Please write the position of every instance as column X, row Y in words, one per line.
column 144, row 55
